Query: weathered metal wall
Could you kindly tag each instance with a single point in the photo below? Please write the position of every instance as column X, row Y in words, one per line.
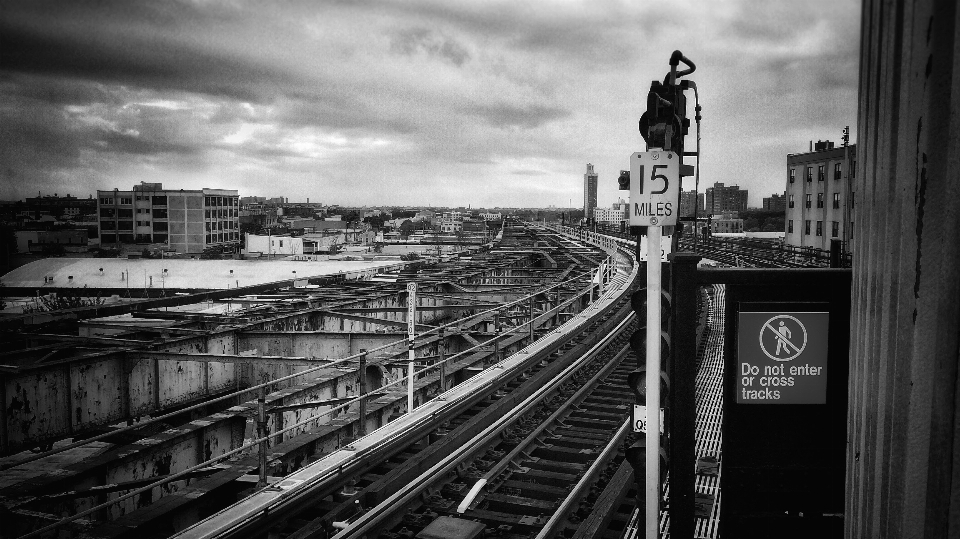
column 903, row 462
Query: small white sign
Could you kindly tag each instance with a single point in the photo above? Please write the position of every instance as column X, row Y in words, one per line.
column 411, row 309
column 640, row 418
column 666, row 247
column 654, row 188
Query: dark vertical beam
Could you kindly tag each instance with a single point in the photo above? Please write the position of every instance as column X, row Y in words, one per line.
column 4, row 439
column 442, row 351
column 362, row 427
column 156, row 384
column 903, row 468
column 68, row 399
column 683, row 405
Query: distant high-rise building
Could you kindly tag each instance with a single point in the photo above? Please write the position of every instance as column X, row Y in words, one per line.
column 820, row 197
column 187, row 221
column 775, row 202
column 687, row 201
column 725, row 199
column 589, row 191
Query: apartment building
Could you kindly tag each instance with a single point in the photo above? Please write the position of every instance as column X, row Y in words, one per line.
column 820, row 196
column 187, row 221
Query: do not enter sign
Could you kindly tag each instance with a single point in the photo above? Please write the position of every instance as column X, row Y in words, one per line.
column 782, row 358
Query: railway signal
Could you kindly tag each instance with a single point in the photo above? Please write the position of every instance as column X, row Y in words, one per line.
column 654, row 198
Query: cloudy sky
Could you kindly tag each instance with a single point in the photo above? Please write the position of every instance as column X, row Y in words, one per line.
column 422, row 102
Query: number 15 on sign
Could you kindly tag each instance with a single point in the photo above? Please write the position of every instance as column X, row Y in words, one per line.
column 654, row 188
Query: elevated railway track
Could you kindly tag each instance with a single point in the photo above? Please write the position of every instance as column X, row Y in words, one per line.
column 523, row 429
column 506, row 300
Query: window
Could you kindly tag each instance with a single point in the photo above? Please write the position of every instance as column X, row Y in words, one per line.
column 108, row 212
column 835, row 229
column 806, row 228
column 819, row 200
column 809, row 174
column 160, row 200
column 125, row 213
column 126, row 200
column 820, row 173
column 159, row 214
column 108, row 225
column 808, row 199
column 791, row 201
column 790, row 226
column 106, row 200
column 853, row 168
column 853, row 198
column 836, row 171
column 281, row 243
column 819, row 228
column 160, row 226
column 793, row 175
column 836, row 200
column 143, row 223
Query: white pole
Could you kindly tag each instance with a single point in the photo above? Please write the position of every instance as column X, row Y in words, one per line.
column 411, row 331
column 652, row 486
column 410, row 378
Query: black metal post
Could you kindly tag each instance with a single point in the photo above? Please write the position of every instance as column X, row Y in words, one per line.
column 262, row 433
column 531, row 320
column 683, row 376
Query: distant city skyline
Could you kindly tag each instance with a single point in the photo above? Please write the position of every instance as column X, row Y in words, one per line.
column 417, row 103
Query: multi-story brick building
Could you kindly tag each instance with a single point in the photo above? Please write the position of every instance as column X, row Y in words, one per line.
column 725, row 199
column 820, row 199
column 690, row 202
column 775, row 202
column 187, row 221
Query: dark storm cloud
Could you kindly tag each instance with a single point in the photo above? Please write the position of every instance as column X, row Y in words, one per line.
column 142, row 61
column 528, row 116
column 411, row 41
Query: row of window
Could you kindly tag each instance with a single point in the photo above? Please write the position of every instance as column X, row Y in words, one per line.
column 156, row 200
column 108, row 238
column 226, row 236
column 821, row 172
column 127, row 213
column 834, row 228
column 221, row 201
column 808, row 201
column 221, row 225
column 128, row 225
column 228, row 213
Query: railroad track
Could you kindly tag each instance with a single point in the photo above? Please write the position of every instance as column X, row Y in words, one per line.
column 305, row 505
column 537, row 471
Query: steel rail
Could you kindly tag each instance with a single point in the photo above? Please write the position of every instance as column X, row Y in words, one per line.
column 272, row 499
column 340, row 468
column 411, row 491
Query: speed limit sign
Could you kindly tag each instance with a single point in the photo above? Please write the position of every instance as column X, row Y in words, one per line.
column 654, row 188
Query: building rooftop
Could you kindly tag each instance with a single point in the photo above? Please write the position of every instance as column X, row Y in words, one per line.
column 179, row 274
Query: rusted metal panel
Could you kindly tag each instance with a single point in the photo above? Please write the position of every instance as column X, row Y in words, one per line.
column 34, row 408
column 903, row 415
column 95, row 392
